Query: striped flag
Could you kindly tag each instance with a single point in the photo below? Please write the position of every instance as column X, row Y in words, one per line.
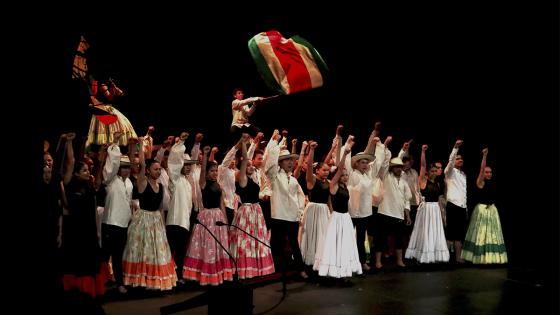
column 288, row 66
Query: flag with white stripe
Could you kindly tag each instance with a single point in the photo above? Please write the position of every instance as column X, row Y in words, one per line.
column 289, row 65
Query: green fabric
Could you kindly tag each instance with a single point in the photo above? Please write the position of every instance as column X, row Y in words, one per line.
column 263, row 68
column 484, row 242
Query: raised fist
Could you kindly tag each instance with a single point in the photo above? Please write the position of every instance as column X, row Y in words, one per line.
column 339, row 130
column 388, row 140
column 313, row 145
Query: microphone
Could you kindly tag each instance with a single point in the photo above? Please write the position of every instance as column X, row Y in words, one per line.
column 196, row 221
column 220, row 223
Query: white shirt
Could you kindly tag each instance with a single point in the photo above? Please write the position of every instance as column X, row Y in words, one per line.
column 194, row 179
column 164, row 180
column 360, row 185
column 456, row 182
column 240, row 110
column 397, row 196
column 181, row 202
column 411, row 177
column 287, row 200
column 264, row 181
column 119, row 191
column 226, row 179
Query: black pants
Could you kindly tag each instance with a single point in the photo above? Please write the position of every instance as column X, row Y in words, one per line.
column 178, row 239
column 362, row 225
column 410, row 228
column 236, row 132
column 265, row 206
column 280, row 231
column 389, row 226
column 114, row 241
column 457, row 222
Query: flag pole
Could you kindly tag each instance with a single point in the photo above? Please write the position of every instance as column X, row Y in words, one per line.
column 270, row 97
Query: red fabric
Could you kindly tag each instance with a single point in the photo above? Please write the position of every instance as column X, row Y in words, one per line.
column 291, row 61
column 92, row 285
column 107, row 119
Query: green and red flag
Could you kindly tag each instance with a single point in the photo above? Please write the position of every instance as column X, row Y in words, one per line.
column 289, row 65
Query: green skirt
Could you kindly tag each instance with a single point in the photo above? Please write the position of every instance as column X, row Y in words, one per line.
column 484, row 243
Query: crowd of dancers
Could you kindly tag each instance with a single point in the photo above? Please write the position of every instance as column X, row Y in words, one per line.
column 160, row 214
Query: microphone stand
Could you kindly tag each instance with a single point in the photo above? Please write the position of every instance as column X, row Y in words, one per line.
column 284, row 278
column 235, row 275
column 216, row 294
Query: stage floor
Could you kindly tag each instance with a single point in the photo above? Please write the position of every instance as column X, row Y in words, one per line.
column 426, row 290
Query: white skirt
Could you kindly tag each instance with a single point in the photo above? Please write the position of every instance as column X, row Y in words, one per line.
column 315, row 221
column 338, row 256
column 427, row 242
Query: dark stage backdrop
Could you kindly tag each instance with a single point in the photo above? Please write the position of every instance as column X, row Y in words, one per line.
column 481, row 74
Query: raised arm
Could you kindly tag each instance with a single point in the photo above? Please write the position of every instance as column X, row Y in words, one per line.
column 69, row 161
column 297, row 170
column 480, row 179
column 230, row 156
column 370, row 148
column 132, row 148
column 254, row 145
column 338, row 144
column 294, row 146
column 212, row 157
column 175, row 161
column 164, row 147
column 148, row 143
column 102, row 158
column 385, row 166
column 111, row 168
column 347, row 160
column 309, row 176
column 257, row 141
column 452, row 156
column 196, row 147
column 142, row 181
column 405, row 148
column 272, row 152
column 422, row 177
column 202, row 178
column 284, row 141
column 243, row 166
column 333, row 186
column 332, row 151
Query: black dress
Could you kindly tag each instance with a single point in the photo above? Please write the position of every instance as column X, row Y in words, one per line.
column 81, row 252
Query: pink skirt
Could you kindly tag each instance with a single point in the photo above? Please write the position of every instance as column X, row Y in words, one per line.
column 207, row 263
column 253, row 258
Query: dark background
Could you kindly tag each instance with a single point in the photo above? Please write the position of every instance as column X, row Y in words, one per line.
column 483, row 73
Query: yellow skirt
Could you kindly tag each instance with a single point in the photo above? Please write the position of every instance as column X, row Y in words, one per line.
column 100, row 134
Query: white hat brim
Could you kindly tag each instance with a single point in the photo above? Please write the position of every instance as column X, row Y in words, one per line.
column 290, row 156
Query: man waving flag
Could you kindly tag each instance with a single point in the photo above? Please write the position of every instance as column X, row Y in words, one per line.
column 289, row 65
